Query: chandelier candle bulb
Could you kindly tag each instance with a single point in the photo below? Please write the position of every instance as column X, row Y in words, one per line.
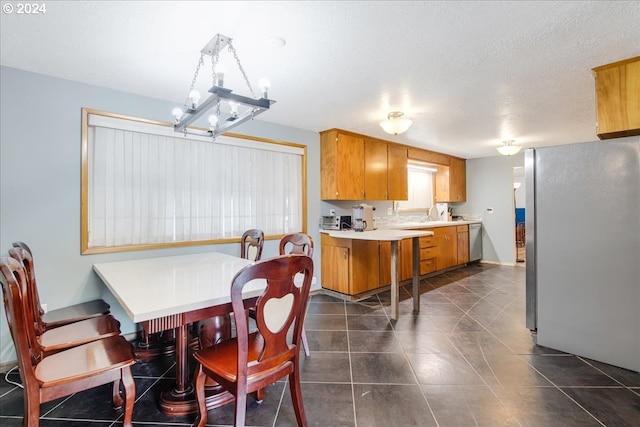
column 264, row 85
column 194, row 98
column 177, row 113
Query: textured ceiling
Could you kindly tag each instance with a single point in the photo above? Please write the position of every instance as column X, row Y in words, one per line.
column 469, row 74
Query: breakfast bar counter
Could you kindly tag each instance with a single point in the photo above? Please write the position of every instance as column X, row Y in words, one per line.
column 394, row 236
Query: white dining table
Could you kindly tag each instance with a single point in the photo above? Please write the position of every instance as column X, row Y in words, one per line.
column 169, row 293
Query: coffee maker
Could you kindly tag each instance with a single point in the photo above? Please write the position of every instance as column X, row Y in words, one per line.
column 362, row 218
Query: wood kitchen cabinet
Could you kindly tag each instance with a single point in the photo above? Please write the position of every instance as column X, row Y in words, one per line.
column 428, row 254
column 397, row 181
column 375, row 170
column 355, row 167
column 405, row 261
column 428, row 156
column 618, row 98
column 349, row 266
column 441, row 184
column 462, row 232
column 447, row 243
column 457, row 180
column 451, row 181
column 341, row 166
column 352, row 266
column 385, row 171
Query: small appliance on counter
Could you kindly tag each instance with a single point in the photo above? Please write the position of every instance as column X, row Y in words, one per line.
column 443, row 211
column 335, row 222
column 362, row 218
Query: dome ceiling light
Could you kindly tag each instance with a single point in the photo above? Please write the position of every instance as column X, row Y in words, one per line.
column 395, row 124
column 508, row 149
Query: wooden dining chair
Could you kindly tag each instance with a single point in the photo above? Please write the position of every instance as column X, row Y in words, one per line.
column 65, row 315
column 298, row 243
column 213, row 330
column 105, row 361
column 251, row 244
column 53, row 339
column 252, row 361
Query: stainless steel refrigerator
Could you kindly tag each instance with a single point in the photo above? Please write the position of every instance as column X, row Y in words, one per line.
column 583, row 249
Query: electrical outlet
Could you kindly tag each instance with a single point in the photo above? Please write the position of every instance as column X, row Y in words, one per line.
column 490, row 210
column 44, row 307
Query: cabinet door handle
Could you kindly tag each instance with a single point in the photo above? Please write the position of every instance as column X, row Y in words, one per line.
column 344, row 254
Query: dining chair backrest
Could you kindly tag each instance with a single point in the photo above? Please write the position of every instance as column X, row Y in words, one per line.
column 255, row 359
column 60, row 316
column 251, row 244
column 24, row 257
column 296, row 243
column 19, row 315
column 281, row 306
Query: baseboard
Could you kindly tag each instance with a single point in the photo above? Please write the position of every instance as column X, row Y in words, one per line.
column 7, row 366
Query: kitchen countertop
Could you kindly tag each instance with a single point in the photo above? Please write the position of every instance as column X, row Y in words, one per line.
column 381, row 234
column 412, row 225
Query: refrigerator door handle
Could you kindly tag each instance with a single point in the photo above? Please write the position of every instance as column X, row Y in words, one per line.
column 530, row 245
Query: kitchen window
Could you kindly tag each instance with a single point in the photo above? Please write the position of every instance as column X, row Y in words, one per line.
column 420, row 187
column 145, row 186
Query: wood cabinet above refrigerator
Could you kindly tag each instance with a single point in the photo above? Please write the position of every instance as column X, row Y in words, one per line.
column 618, row 98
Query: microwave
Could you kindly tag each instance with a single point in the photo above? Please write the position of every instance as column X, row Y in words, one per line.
column 335, row 222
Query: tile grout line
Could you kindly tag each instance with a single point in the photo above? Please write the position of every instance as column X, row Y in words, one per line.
column 415, row 376
column 353, row 391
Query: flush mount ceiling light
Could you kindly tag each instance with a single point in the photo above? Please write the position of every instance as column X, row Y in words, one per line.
column 395, row 124
column 508, row 149
column 228, row 109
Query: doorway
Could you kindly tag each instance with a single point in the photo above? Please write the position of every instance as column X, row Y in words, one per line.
column 519, row 214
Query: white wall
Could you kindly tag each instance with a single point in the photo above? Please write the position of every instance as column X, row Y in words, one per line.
column 40, row 184
column 490, row 185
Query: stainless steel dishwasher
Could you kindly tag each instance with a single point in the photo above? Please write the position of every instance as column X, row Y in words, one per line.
column 475, row 242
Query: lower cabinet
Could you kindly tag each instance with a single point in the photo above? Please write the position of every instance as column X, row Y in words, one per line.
column 463, row 243
column 352, row 267
column 405, row 261
column 428, row 254
column 447, row 243
column 349, row 266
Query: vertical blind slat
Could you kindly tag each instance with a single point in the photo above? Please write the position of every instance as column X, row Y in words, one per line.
column 149, row 189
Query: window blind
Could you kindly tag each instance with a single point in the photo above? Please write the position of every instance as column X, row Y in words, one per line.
column 147, row 185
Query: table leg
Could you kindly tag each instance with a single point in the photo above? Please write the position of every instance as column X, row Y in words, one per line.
column 416, row 275
column 180, row 399
column 394, row 280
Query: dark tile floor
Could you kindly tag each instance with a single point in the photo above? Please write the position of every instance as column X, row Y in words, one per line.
column 465, row 360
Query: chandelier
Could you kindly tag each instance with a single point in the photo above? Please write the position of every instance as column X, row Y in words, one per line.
column 508, row 149
column 228, row 110
column 395, row 124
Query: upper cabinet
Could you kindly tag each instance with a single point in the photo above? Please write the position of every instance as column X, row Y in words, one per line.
column 357, row 167
column 341, row 166
column 375, row 170
column 397, row 184
column 457, row 180
column 618, row 98
column 451, row 175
